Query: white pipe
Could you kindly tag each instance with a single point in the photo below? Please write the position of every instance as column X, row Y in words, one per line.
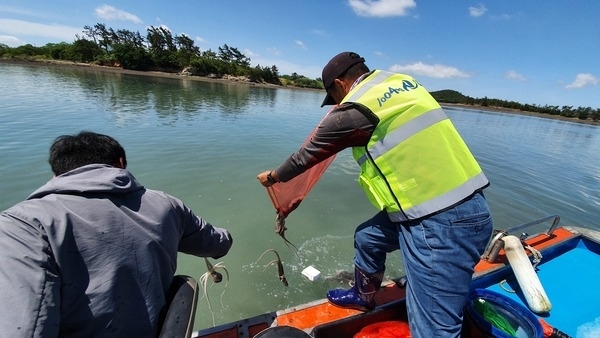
column 526, row 277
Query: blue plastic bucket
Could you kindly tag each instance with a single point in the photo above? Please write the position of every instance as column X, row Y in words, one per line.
column 519, row 317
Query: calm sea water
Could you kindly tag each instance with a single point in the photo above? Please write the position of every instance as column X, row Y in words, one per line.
column 205, row 142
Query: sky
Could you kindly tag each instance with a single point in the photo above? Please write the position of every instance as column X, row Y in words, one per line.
column 531, row 52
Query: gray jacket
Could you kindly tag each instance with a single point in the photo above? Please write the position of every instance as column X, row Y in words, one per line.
column 92, row 253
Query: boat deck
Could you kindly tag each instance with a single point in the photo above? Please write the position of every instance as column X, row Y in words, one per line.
column 568, row 256
column 570, row 278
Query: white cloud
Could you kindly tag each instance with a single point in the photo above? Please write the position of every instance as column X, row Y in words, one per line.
column 274, row 51
column 300, row 44
column 501, row 17
column 514, row 75
column 477, row 11
column 11, row 41
column 583, row 80
column 18, row 28
column 249, row 53
column 435, row 71
column 22, row 11
column 319, row 32
column 381, row 8
column 111, row 13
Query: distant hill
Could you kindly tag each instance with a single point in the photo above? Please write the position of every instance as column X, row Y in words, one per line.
column 580, row 114
column 452, row 96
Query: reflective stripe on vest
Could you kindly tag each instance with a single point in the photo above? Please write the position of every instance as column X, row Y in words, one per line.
column 443, row 201
column 400, row 134
column 413, row 127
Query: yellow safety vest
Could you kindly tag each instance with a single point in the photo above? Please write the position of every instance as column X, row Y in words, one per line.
column 415, row 163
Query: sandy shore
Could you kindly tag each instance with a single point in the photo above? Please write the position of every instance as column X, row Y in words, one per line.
column 92, row 67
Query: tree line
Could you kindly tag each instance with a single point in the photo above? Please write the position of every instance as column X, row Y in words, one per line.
column 160, row 50
column 581, row 113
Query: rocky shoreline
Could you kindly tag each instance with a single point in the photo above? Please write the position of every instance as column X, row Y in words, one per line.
column 244, row 81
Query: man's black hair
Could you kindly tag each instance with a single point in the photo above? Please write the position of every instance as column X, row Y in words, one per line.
column 73, row 151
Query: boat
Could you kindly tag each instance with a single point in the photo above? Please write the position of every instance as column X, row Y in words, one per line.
column 562, row 267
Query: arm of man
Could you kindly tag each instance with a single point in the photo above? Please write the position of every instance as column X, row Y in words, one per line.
column 346, row 126
column 29, row 281
column 201, row 238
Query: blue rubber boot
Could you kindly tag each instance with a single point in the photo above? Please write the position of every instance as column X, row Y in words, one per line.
column 361, row 296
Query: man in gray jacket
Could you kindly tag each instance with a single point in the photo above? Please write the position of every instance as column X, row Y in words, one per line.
column 93, row 252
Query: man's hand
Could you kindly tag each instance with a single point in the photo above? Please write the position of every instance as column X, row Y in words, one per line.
column 267, row 178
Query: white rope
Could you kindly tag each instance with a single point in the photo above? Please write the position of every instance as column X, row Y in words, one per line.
column 502, row 285
column 537, row 255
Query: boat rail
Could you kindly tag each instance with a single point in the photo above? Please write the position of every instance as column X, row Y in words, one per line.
column 496, row 244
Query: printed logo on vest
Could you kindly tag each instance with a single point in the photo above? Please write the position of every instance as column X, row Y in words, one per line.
column 406, row 86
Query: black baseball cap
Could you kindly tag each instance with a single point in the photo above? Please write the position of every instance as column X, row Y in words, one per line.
column 337, row 66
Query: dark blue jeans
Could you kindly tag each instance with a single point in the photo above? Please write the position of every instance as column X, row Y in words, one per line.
column 439, row 254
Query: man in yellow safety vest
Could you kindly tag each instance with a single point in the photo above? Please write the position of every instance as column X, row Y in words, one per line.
column 417, row 170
